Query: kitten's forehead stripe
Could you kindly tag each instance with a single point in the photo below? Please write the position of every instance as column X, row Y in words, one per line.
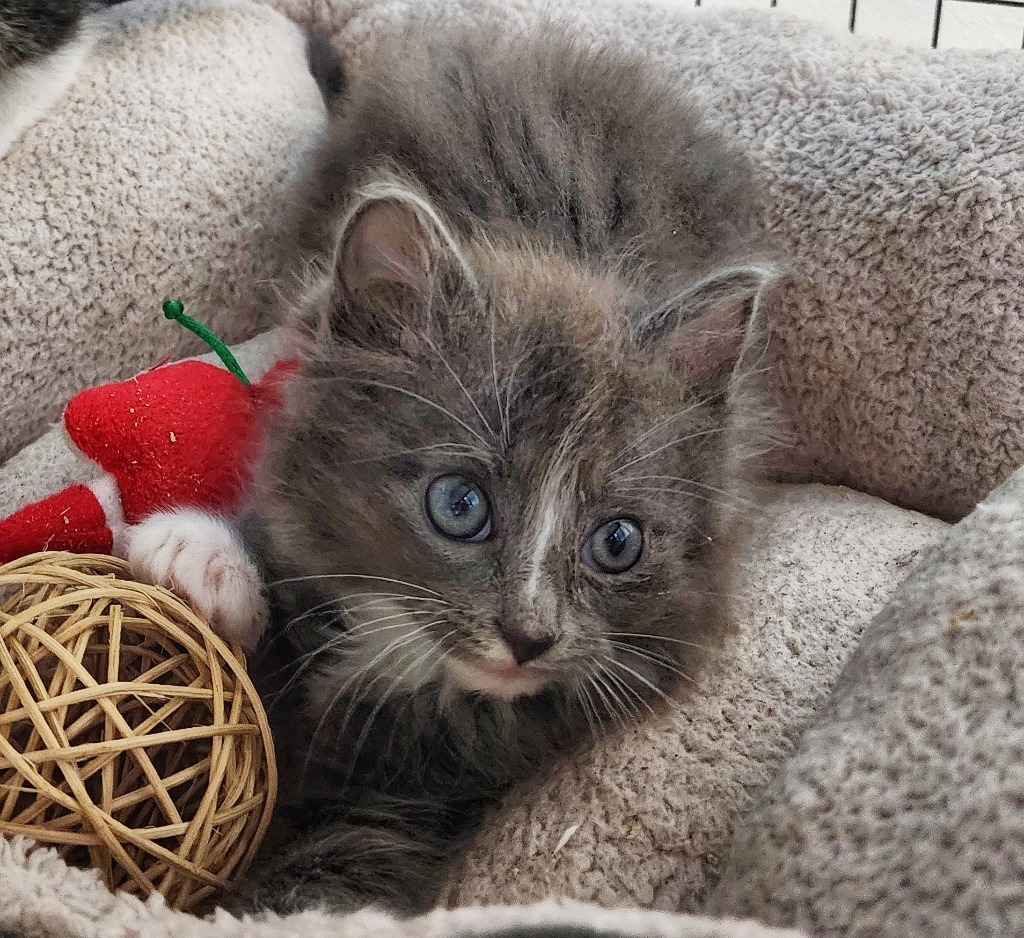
column 549, row 515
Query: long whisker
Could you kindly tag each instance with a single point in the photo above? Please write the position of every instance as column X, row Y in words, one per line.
column 661, row 638
column 510, row 384
column 661, row 662
column 352, row 576
column 502, row 425
column 634, row 694
column 654, row 452
column 701, row 485
column 340, row 604
column 385, row 697
column 423, row 400
column 652, row 490
column 611, row 702
column 643, row 680
column 419, row 686
column 590, row 710
column 362, row 630
column 365, row 672
column 458, row 381
column 647, row 434
column 449, row 448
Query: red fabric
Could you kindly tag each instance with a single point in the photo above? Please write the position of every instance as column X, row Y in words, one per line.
column 71, row 520
column 182, row 435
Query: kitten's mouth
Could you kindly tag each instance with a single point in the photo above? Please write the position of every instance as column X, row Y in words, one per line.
column 497, row 679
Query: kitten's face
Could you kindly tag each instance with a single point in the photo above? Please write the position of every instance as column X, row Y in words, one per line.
column 508, row 490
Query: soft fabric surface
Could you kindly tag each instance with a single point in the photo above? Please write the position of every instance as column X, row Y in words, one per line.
column 162, row 173
column 895, row 180
column 901, row 812
column 40, row 897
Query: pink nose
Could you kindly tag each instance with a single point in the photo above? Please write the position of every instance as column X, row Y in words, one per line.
column 526, row 645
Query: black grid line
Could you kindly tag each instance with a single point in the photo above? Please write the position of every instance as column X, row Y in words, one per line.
column 936, row 19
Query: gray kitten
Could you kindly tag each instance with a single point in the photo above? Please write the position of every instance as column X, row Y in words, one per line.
column 496, row 516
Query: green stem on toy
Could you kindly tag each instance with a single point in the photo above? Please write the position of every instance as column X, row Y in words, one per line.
column 175, row 309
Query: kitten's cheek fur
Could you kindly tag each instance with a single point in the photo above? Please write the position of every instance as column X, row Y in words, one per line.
column 201, row 559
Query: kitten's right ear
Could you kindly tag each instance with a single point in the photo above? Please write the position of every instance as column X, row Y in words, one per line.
column 385, row 244
column 394, row 258
column 393, row 236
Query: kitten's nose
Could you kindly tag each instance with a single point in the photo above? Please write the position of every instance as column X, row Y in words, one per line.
column 526, row 643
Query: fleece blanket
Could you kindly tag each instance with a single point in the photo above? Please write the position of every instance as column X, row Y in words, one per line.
column 645, row 819
column 41, row 896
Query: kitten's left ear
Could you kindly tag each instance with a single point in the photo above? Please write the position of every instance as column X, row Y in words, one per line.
column 706, row 327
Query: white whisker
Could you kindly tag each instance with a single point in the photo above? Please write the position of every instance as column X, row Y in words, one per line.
column 664, row 446
column 590, row 710
column 660, row 638
column 611, row 701
column 661, row 424
column 423, row 400
column 654, row 659
column 701, row 485
column 502, row 425
column 643, row 680
column 365, row 672
column 446, row 449
column 652, row 490
column 386, row 696
column 353, row 576
column 633, row 692
column 469, row 397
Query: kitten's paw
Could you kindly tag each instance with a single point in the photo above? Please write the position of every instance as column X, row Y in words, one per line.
column 201, row 558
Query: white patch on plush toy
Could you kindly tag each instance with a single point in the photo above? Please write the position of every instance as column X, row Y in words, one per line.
column 28, row 92
column 109, row 498
column 202, row 559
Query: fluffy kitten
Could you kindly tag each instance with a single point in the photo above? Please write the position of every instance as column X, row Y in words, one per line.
column 43, row 44
column 495, row 517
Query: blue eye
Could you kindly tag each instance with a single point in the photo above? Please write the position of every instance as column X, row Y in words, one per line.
column 459, row 509
column 614, row 547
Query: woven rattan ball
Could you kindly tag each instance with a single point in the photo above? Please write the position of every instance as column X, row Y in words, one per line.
column 131, row 738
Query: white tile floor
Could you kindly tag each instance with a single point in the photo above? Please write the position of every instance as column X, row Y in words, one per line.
column 964, row 24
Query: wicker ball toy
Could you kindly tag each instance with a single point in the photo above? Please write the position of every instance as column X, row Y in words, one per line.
column 131, row 738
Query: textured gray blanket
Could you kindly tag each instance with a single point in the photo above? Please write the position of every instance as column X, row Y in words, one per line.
column 902, row 812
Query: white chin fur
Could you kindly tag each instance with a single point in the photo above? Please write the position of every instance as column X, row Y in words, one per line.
column 29, row 91
column 470, row 678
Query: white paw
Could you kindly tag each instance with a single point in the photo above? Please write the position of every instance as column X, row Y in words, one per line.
column 202, row 559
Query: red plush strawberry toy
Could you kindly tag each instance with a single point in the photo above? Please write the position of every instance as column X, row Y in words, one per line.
column 180, row 435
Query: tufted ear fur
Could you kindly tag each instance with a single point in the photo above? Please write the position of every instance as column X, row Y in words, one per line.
column 707, row 326
column 392, row 234
column 385, row 244
column 394, row 258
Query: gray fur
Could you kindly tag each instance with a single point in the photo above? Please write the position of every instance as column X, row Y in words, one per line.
column 566, row 319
